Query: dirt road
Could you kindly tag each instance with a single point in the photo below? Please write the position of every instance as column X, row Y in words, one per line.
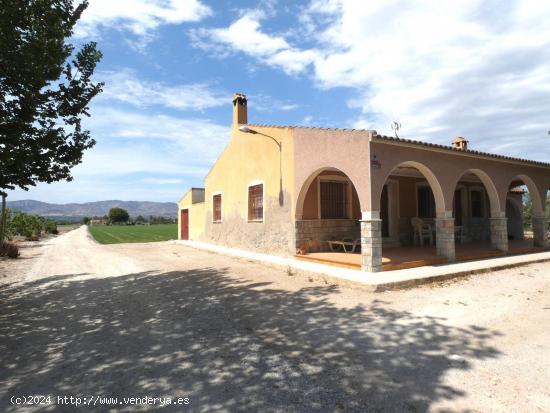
column 161, row 320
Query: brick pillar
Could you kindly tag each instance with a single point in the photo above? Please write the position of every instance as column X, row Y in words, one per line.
column 371, row 245
column 540, row 225
column 445, row 237
column 499, row 233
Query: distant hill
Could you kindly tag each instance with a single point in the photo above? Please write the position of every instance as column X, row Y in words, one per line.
column 99, row 208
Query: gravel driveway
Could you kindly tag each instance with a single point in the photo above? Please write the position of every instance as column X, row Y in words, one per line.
column 162, row 320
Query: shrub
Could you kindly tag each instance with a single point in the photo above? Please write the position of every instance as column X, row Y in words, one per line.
column 50, row 227
column 9, row 249
column 25, row 225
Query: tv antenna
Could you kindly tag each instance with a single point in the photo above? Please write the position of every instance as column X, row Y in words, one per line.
column 395, row 127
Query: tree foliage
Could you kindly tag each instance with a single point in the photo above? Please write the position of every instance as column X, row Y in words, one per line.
column 527, row 210
column 118, row 215
column 45, row 89
column 25, row 225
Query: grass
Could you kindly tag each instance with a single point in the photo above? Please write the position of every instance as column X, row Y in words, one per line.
column 117, row 234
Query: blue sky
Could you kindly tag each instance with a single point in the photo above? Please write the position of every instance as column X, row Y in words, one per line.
column 479, row 69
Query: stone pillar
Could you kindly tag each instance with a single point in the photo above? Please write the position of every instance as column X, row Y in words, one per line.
column 499, row 233
column 540, row 228
column 371, row 245
column 445, row 237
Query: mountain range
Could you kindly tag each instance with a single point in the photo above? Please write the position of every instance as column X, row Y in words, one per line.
column 98, row 208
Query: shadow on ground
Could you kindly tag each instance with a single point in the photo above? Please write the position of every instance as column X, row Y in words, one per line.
column 225, row 344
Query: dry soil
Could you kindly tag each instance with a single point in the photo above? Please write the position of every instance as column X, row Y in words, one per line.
column 160, row 319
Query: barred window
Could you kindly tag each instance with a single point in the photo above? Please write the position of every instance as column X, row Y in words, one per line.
column 256, row 202
column 217, row 210
column 333, row 200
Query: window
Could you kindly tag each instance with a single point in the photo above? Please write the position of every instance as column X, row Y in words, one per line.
column 476, row 199
column 256, row 203
column 217, row 209
column 333, row 200
column 426, row 202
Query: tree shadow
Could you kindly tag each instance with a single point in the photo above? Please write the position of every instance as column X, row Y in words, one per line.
column 228, row 345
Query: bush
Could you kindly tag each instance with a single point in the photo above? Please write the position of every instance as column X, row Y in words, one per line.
column 50, row 227
column 25, row 225
column 9, row 249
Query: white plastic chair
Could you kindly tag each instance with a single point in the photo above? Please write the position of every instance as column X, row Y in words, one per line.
column 421, row 231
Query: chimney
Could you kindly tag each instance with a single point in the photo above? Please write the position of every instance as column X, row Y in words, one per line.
column 460, row 143
column 239, row 109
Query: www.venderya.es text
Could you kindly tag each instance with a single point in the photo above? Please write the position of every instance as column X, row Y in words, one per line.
column 94, row 400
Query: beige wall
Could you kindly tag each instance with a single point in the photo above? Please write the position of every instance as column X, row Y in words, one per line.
column 253, row 158
column 319, row 149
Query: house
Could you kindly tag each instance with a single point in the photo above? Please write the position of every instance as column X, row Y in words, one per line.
column 98, row 221
column 279, row 189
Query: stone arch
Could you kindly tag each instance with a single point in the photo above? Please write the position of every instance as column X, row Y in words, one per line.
column 538, row 206
column 430, row 177
column 490, row 187
column 300, row 199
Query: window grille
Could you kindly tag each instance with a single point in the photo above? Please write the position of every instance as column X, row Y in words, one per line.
column 217, row 210
column 333, row 200
column 256, row 202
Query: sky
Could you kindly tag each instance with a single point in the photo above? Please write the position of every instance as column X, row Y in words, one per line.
column 478, row 69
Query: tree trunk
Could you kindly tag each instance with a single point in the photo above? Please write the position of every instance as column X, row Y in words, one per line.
column 3, row 217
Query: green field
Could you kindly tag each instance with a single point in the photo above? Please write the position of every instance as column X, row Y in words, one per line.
column 117, row 234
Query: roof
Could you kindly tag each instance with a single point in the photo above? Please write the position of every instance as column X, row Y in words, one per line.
column 415, row 142
column 457, row 150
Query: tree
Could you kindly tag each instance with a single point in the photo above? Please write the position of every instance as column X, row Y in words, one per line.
column 527, row 210
column 140, row 219
column 118, row 215
column 45, row 89
column 26, row 225
column 86, row 220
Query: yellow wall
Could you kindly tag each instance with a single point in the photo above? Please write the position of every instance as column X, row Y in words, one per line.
column 247, row 158
column 196, row 216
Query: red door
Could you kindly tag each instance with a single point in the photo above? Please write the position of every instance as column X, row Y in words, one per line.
column 185, row 224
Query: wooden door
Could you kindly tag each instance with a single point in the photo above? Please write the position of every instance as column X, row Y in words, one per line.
column 184, row 224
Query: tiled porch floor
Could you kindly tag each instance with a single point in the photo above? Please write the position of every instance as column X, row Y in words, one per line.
column 410, row 257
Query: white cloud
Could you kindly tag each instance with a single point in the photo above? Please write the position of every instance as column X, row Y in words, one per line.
column 138, row 156
column 267, row 103
column 126, row 87
column 140, row 17
column 188, row 139
column 244, row 35
column 444, row 69
column 475, row 68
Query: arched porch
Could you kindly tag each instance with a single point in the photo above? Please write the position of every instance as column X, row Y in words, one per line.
column 327, row 212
